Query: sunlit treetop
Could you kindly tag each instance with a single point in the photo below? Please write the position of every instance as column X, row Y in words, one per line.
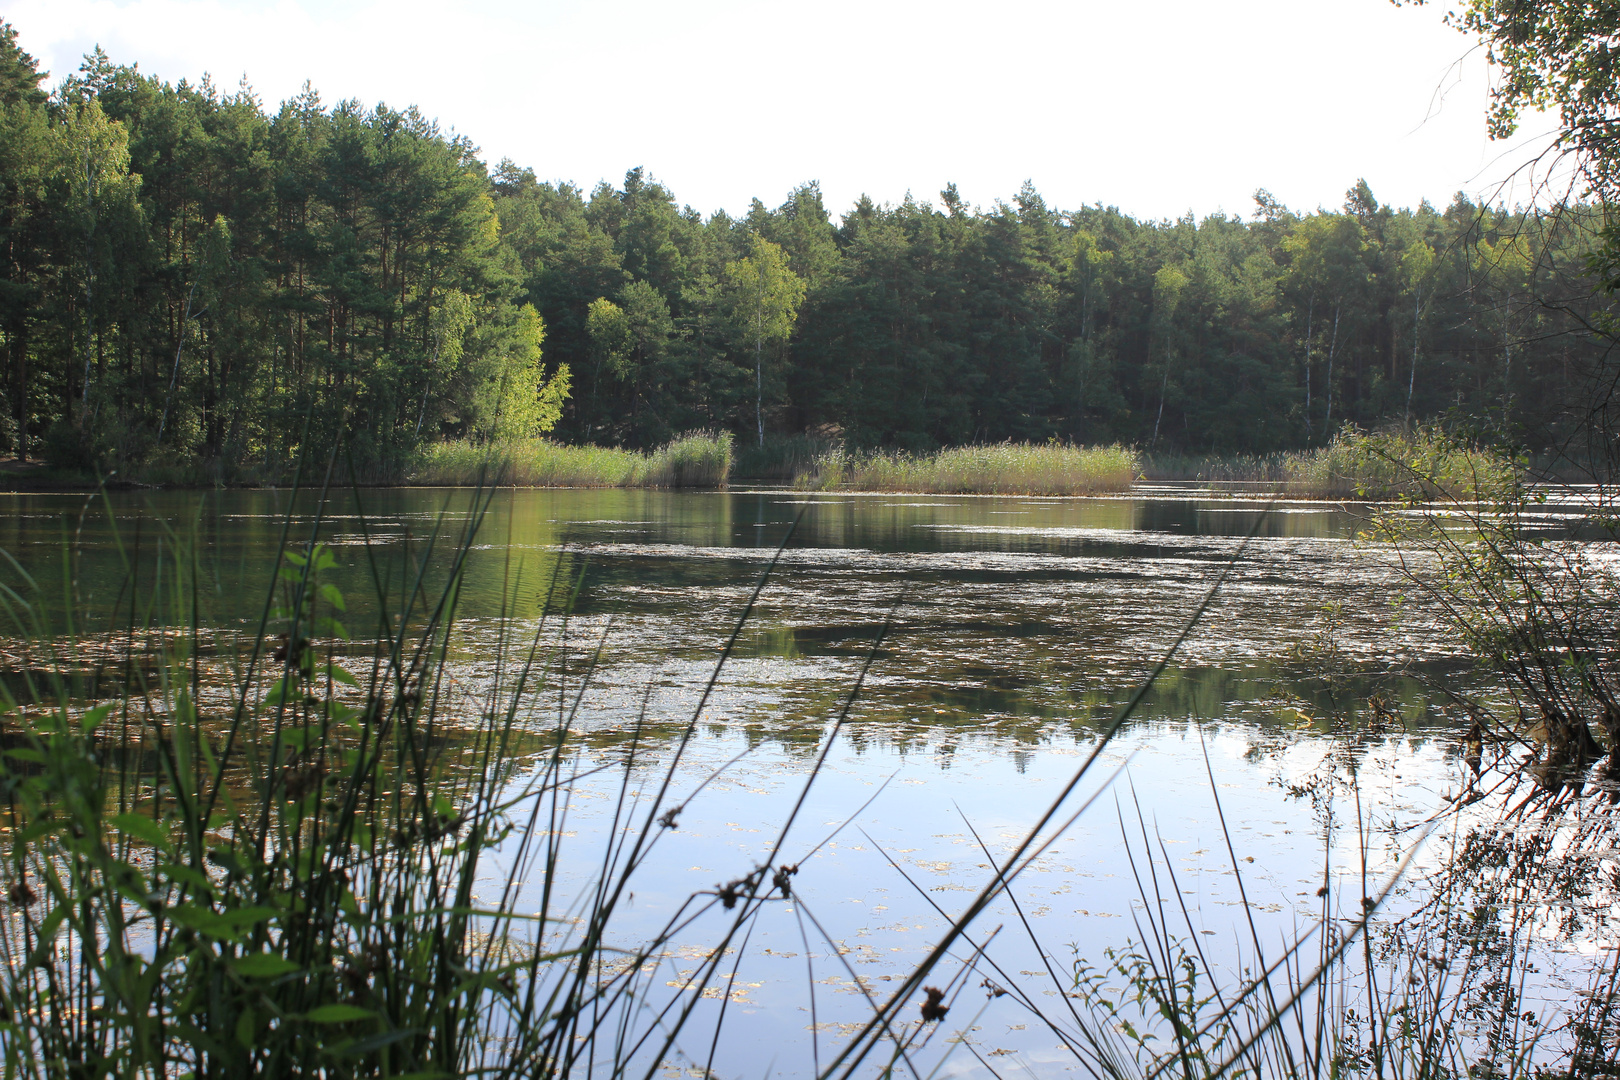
column 1552, row 55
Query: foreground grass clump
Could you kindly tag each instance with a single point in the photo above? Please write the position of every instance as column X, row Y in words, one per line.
column 1000, row 469
column 1425, row 463
column 700, row 459
column 270, row 878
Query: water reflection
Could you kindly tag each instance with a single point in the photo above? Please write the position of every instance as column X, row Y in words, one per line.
column 1012, row 606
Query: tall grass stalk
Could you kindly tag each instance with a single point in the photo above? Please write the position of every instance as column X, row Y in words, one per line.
column 328, row 858
column 999, row 469
column 782, row 457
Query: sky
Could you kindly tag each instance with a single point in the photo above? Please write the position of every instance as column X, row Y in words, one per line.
column 1161, row 107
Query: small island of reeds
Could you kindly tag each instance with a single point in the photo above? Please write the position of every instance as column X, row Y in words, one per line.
column 1422, row 463
column 1001, row 469
column 698, row 459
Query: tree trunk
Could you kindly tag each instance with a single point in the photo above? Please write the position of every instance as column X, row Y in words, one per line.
column 1327, row 421
column 1310, row 316
column 19, row 349
column 1163, row 386
column 1411, row 378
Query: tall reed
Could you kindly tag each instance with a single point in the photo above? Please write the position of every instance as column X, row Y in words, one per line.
column 295, row 853
column 998, row 469
column 1424, row 463
column 698, row 459
column 782, row 457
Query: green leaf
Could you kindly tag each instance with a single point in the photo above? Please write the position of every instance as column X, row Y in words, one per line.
column 338, row 674
column 263, row 966
column 247, row 1027
column 371, row 1043
column 93, row 718
column 220, row 924
column 187, row 875
column 338, row 1014
column 332, row 596
column 283, row 691
column 41, row 956
column 142, row 828
column 226, row 859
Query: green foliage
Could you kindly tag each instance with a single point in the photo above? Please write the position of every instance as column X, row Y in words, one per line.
column 194, row 286
column 610, row 335
column 782, row 457
column 1551, row 56
column 1422, row 464
column 285, row 892
column 512, row 398
column 765, row 299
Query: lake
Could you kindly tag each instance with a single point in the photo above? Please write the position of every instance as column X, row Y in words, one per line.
column 998, row 637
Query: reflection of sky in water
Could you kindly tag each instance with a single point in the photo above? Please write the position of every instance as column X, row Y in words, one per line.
column 1013, row 629
column 874, row 880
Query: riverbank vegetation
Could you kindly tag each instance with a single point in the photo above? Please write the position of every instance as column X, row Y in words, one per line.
column 1425, row 463
column 201, row 287
column 699, row 459
column 1005, row 469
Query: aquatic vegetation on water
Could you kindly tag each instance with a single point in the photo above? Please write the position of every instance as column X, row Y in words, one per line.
column 699, row 459
column 998, row 469
column 1425, row 463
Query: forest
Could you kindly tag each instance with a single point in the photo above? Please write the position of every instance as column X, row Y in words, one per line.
column 190, row 281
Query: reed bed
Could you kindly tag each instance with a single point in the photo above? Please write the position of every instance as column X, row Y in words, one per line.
column 1422, row 463
column 999, row 469
column 783, row 457
column 699, row 459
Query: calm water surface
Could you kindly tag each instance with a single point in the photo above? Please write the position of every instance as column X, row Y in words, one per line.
column 1016, row 628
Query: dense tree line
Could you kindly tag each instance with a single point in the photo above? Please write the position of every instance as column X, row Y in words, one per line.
column 190, row 279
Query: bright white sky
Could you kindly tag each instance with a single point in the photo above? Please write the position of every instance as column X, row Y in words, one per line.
column 1158, row 107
